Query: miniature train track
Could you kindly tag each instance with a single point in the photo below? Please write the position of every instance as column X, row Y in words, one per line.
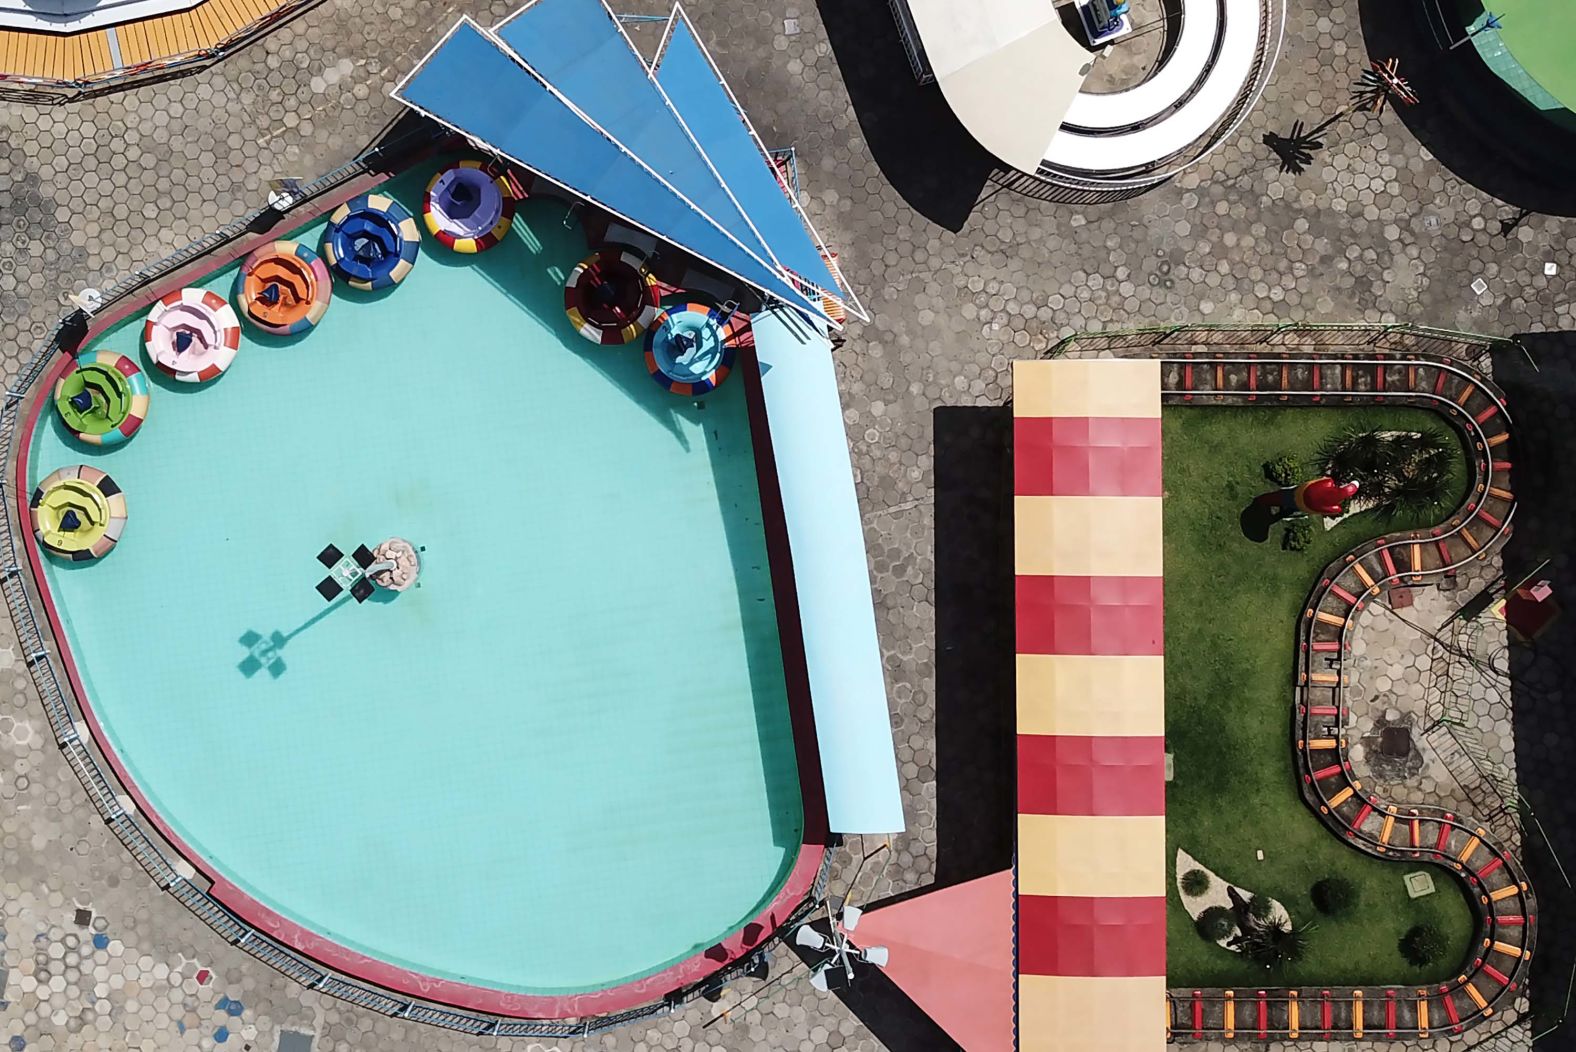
column 1506, row 914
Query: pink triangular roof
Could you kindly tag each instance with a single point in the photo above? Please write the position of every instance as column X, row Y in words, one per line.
column 951, row 953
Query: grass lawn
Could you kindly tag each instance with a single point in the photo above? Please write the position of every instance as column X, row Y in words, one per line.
column 1231, row 612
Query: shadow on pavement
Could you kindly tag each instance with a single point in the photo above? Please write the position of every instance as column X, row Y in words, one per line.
column 1542, row 398
column 975, row 645
column 884, row 1009
column 927, row 156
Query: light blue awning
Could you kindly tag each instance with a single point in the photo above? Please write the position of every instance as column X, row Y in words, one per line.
column 826, row 540
column 714, row 116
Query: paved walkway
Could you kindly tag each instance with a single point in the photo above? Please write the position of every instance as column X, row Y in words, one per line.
column 1375, row 230
column 1430, row 704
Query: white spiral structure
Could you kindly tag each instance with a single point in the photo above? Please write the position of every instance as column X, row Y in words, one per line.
column 1013, row 75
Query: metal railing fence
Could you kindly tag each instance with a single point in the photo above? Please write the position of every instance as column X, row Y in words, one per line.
column 1402, row 338
column 912, row 47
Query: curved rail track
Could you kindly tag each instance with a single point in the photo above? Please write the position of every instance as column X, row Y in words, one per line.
column 1495, row 970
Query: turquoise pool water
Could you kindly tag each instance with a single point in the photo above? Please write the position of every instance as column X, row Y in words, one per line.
column 565, row 760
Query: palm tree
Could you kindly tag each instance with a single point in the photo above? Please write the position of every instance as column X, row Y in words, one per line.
column 1359, row 455
column 1400, row 474
column 1276, row 944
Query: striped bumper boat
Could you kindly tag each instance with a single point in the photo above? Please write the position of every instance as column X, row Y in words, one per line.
column 690, row 347
column 104, row 400
column 371, row 242
column 284, row 288
column 467, row 209
column 78, row 512
column 192, row 335
column 610, row 296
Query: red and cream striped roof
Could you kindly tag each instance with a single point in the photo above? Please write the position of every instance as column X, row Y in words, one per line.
column 1091, row 882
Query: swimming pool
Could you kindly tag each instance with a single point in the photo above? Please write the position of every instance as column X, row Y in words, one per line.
column 562, row 763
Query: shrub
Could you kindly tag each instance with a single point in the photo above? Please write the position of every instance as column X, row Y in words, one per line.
column 1260, row 907
column 1284, row 470
column 1334, row 896
column 1299, row 535
column 1398, row 473
column 1195, row 882
column 1277, row 944
column 1358, row 454
column 1423, row 944
column 1216, row 923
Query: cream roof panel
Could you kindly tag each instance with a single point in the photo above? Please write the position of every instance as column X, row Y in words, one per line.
column 1008, row 68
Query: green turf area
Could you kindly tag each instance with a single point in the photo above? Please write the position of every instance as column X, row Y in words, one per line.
column 1537, row 36
column 1231, row 612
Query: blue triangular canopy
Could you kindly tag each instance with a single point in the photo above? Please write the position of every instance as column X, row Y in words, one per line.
column 474, row 85
column 712, row 114
column 578, row 47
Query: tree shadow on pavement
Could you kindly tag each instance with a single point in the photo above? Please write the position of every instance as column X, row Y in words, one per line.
column 927, row 156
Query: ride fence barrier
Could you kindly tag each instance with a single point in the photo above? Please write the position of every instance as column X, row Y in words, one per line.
column 16, row 87
column 65, row 716
column 1401, row 338
column 1445, row 22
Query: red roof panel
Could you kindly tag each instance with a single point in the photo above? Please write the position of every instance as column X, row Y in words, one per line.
column 1059, row 456
column 1090, row 615
column 1087, row 936
column 1066, row 775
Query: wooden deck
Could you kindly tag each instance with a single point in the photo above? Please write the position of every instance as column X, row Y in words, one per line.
column 74, row 56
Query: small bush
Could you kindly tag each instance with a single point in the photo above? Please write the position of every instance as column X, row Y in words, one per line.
column 1195, row 882
column 1260, row 907
column 1216, row 923
column 1299, row 535
column 1334, row 896
column 1284, row 470
column 1423, row 944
